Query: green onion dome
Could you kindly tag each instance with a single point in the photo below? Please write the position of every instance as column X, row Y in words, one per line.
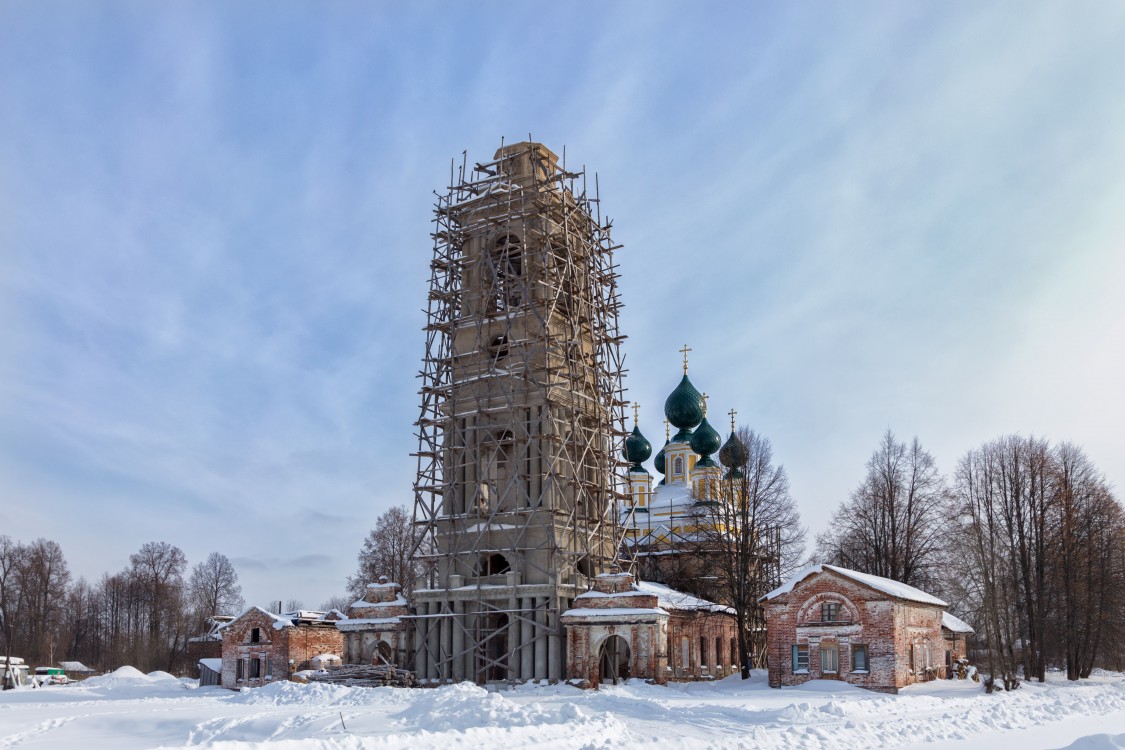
column 684, row 409
column 637, row 449
column 733, row 454
column 658, row 462
column 705, row 440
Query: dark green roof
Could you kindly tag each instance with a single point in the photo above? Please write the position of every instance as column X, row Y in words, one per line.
column 705, row 441
column 658, row 462
column 733, row 453
column 637, row 448
column 684, row 406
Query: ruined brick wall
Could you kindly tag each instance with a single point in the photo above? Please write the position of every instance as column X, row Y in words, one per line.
column 647, row 656
column 276, row 653
column 891, row 631
column 269, row 652
column 693, row 640
column 919, row 643
column 308, row 641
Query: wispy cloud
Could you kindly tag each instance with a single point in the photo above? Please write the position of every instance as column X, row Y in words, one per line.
column 215, row 242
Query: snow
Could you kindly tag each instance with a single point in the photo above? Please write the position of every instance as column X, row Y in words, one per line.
column 957, row 625
column 215, row 665
column 358, row 623
column 128, row 710
column 74, row 666
column 398, row 601
column 666, row 598
column 886, row 585
column 615, row 612
column 669, row 598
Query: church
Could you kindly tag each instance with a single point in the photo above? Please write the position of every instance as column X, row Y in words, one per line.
column 522, row 500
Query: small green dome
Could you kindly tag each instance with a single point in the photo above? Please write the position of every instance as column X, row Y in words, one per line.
column 637, row 449
column 705, row 440
column 658, row 462
column 684, row 406
column 733, row 454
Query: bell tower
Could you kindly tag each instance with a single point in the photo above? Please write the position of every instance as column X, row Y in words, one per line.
column 522, row 419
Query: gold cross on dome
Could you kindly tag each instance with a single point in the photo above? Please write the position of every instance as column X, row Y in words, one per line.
column 667, row 432
column 684, row 352
column 704, row 404
column 636, row 412
column 732, row 412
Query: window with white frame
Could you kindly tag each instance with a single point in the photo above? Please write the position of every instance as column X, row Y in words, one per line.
column 859, row 657
column 829, row 658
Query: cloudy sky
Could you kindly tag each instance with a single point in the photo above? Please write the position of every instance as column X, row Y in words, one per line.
column 214, row 226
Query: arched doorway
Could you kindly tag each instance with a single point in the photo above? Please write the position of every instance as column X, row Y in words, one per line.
column 382, row 653
column 494, row 654
column 613, row 660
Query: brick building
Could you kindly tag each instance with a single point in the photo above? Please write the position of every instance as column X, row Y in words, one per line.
column 956, row 633
column 623, row 629
column 833, row 623
column 260, row 647
column 375, row 631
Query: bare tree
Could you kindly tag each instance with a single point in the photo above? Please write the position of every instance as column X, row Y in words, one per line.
column 752, row 535
column 11, row 593
column 213, row 589
column 980, row 547
column 893, row 522
column 340, row 602
column 157, row 570
column 1086, row 541
column 387, row 551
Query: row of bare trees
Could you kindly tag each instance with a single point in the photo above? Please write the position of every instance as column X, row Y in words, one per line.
column 1026, row 539
column 142, row 615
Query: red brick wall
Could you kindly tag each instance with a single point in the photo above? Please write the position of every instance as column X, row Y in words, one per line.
column 695, row 626
column 889, row 628
column 237, row 646
column 276, row 646
column 305, row 642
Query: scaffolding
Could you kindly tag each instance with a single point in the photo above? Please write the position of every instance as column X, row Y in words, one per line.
column 522, row 424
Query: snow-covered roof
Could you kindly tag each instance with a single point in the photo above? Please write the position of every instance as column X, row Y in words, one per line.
column 215, row 665
column 398, row 601
column 669, row 598
column 886, row 585
column 359, row 623
column 286, row 620
column 957, row 625
column 615, row 612
column 74, row 666
column 383, row 585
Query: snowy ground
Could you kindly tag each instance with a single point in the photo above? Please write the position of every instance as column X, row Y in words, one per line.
column 128, row 710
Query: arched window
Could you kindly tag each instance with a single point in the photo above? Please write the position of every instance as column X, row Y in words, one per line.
column 506, row 261
column 498, row 348
column 494, row 564
column 678, row 466
column 496, row 471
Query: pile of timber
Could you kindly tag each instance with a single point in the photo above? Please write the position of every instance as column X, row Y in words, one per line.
column 366, row 675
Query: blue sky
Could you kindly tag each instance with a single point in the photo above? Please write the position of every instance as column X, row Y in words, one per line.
column 214, row 228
